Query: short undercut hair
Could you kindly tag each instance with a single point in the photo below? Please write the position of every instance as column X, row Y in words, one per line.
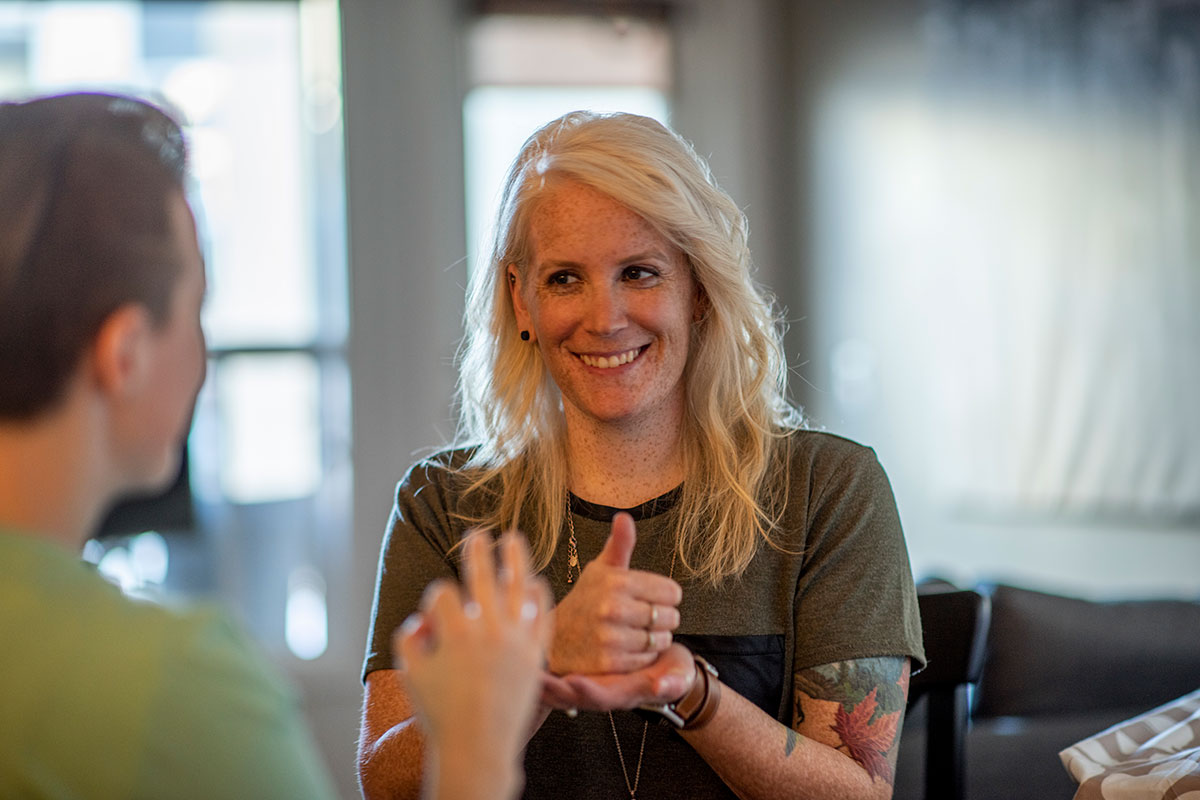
column 85, row 229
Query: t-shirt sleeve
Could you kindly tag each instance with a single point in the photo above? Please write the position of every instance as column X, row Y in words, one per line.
column 855, row 597
column 222, row 724
column 416, row 550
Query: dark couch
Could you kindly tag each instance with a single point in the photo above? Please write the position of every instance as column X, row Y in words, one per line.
column 1059, row 669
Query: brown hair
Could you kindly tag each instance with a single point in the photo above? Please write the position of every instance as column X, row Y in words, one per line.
column 84, row 230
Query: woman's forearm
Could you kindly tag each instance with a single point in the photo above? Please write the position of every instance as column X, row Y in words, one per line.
column 394, row 765
column 761, row 759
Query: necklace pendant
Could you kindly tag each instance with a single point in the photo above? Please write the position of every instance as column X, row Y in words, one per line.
column 573, row 561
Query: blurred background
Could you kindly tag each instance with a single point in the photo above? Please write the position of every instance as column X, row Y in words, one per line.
column 980, row 218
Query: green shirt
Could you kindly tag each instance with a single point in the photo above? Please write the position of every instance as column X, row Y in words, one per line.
column 106, row 697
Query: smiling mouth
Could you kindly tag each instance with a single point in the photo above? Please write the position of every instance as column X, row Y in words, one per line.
column 610, row 362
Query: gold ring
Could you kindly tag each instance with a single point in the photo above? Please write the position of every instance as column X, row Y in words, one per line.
column 653, row 615
column 649, row 640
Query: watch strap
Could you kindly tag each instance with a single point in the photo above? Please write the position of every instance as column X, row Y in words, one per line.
column 698, row 706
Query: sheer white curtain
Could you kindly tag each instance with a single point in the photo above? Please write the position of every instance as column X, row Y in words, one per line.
column 1074, row 197
column 1014, row 239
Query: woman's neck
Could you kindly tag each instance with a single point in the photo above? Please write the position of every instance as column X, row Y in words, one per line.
column 622, row 468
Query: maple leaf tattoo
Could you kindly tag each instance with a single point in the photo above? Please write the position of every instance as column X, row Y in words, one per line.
column 868, row 741
column 856, row 707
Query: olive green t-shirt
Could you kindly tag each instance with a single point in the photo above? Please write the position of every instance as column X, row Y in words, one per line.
column 105, row 697
column 837, row 586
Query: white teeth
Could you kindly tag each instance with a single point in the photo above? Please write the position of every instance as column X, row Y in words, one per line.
column 608, row 362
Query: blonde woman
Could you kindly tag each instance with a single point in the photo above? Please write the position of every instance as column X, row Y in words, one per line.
column 747, row 626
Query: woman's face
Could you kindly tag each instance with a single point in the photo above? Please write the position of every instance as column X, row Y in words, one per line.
column 610, row 303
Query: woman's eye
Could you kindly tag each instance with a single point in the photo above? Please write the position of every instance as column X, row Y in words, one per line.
column 561, row 279
column 638, row 273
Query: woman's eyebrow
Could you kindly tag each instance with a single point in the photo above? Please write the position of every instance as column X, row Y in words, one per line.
column 559, row 263
column 647, row 255
column 563, row 263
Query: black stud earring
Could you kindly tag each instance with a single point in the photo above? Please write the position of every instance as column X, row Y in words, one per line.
column 524, row 336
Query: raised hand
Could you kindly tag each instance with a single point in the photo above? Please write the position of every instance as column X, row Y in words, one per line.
column 615, row 619
column 472, row 664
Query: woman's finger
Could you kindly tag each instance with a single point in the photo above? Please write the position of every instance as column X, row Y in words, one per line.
column 557, row 693
column 662, row 680
column 616, row 641
column 662, row 618
column 651, row 587
column 650, row 616
column 619, row 547
column 642, row 640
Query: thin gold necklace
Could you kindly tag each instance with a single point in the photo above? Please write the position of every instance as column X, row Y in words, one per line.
column 573, row 561
column 637, row 775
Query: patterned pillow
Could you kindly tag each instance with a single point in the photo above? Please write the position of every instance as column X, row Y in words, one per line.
column 1153, row 755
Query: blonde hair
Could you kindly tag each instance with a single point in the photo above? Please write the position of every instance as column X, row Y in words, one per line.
column 737, row 415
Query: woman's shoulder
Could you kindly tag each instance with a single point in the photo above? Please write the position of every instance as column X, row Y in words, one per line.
column 806, row 445
column 816, row 459
column 439, row 466
column 442, row 478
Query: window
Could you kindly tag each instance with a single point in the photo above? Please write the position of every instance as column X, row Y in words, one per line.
column 524, row 71
column 258, row 87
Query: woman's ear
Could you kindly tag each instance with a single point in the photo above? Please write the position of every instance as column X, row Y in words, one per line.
column 524, row 320
column 120, row 353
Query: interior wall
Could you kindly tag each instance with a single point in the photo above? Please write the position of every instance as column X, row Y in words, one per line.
column 751, row 76
column 733, row 99
column 406, row 236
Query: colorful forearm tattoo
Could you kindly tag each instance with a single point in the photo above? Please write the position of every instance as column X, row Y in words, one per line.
column 856, row 707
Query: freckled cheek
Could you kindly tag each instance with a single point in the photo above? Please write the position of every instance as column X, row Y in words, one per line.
column 555, row 323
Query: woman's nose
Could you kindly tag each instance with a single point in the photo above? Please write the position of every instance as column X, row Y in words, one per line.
column 605, row 311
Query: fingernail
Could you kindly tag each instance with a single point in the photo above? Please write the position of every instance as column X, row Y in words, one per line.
column 471, row 610
column 529, row 610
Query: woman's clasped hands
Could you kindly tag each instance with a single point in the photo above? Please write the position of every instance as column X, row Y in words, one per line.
column 485, row 651
column 612, row 642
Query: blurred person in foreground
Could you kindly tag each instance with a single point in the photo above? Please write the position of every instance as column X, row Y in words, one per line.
column 472, row 661
column 735, row 613
column 101, row 357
